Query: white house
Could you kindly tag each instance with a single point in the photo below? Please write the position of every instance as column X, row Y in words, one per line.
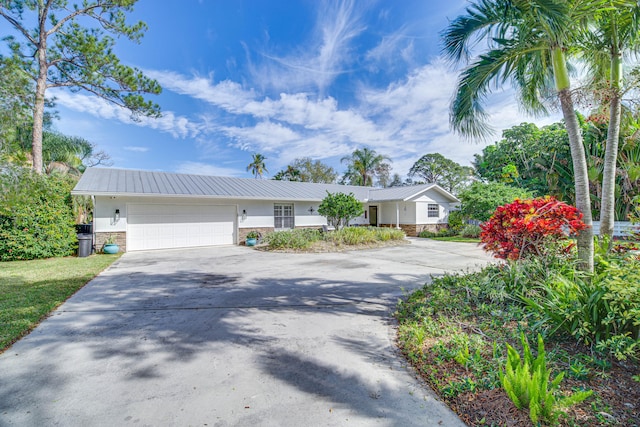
column 157, row 210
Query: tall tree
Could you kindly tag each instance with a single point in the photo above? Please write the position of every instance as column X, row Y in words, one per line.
column 64, row 53
column 257, row 165
column 15, row 101
column 305, row 169
column 363, row 165
column 435, row 168
column 288, row 174
column 616, row 32
column 528, row 42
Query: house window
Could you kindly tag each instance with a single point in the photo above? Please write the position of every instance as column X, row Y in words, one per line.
column 433, row 210
column 283, row 216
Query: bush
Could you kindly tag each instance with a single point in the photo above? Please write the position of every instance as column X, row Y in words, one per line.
column 363, row 235
column 471, row 230
column 292, row 239
column 340, row 208
column 456, row 220
column 602, row 310
column 427, row 234
column 36, row 219
column 532, row 227
column 480, row 200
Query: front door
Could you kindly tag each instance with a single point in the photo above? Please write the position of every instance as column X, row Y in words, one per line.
column 373, row 216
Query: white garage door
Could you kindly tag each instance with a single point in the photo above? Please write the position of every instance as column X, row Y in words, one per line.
column 179, row 226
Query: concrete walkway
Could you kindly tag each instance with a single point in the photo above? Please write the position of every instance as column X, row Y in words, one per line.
column 230, row 336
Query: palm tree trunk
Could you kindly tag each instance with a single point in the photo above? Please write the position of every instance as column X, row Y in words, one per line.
column 607, row 209
column 579, row 160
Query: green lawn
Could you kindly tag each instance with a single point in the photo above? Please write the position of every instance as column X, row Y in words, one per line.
column 456, row 239
column 30, row 290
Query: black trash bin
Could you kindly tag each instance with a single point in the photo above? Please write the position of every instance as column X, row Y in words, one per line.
column 85, row 242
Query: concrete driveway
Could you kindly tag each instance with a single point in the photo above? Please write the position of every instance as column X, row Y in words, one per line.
column 230, row 336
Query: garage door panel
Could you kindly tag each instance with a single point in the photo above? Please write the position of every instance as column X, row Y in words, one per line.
column 178, row 226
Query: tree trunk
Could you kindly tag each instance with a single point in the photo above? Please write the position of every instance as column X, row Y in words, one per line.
column 579, row 160
column 607, row 208
column 581, row 181
column 41, row 87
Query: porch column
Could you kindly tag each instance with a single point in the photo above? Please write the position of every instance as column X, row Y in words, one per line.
column 398, row 215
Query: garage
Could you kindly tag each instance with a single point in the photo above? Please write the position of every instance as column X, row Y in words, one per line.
column 166, row 226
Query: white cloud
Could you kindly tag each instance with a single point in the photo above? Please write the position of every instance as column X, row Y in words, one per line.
column 136, row 149
column 177, row 126
column 317, row 63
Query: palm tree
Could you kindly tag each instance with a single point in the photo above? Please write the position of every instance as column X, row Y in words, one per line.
column 528, row 42
column 616, row 31
column 362, row 166
column 257, row 166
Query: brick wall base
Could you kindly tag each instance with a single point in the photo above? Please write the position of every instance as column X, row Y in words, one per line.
column 242, row 233
column 412, row 230
column 120, row 239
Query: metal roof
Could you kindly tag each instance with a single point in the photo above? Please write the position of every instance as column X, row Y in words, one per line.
column 112, row 182
column 406, row 193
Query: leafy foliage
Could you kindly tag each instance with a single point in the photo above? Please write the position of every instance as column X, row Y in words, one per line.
column 455, row 220
column 455, row 317
column 533, row 227
column 435, row 168
column 292, row 239
column 471, row 230
column 363, row 165
column 601, row 310
column 363, row 235
column 480, row 200
column 527, row 382
column 340, row 208
column 36, row 219
column 305, row 169
column 64, row 53
column 257, row 165
column 303, row 238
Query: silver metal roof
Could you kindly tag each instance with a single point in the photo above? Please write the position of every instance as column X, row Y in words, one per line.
column 112, row 182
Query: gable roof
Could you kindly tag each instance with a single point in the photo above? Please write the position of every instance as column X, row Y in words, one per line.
column 121, row 182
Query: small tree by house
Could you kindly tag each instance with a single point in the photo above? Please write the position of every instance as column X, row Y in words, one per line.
column 340, row 208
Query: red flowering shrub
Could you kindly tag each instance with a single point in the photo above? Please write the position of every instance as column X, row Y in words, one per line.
column 531, row 227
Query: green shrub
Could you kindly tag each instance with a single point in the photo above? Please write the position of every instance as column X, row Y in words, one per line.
column 456, row 220
column 527, row 383
column 292, row 239
column 447, row 232
column 386, row 234
column 471, row 230
column 427, row 234
column 36, row 219
column 363, row 235
column 601, row 310
column 340, row 208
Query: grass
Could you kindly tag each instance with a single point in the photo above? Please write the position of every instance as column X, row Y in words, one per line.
column 30, row 290
column 456, row 239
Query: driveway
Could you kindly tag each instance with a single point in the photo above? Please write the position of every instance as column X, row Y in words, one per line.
column 230, row 336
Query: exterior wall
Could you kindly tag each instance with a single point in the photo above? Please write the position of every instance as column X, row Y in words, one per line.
column 120, row 239
column 387, row 213
column 259, row 215
column 422, row 209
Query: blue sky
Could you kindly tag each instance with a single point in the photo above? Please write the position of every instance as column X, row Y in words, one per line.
column 286, row 79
